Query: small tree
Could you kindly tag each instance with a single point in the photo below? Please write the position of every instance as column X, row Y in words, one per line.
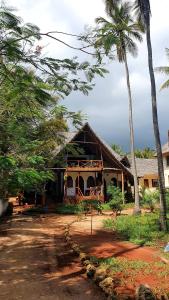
column 116, row 199
column 149, row 198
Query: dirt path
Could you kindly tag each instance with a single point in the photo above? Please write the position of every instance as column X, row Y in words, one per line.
column 104, row 243
column 36, row 264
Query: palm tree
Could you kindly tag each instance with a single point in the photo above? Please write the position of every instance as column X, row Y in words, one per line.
column 143, row 11
column 164, row 70
column 120, row 32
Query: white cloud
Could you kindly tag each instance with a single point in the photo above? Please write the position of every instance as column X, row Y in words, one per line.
column 107, row 104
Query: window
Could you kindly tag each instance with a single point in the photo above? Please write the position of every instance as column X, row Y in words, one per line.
column 114, row 181
column 154, row 182
column 167, row 161
column 146, row 183
column 69, row 182
column 90, row 182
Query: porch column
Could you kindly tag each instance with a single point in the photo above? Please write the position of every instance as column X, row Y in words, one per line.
column 122, row 186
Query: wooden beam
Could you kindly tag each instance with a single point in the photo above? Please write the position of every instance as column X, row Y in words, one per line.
column 122, row 186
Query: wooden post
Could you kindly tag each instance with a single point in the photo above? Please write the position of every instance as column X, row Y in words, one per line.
column 122, row 186
column 44, row 195
column 91, row 220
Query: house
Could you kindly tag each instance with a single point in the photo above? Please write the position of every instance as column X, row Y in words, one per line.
column 165, row 152
column 85, row 166
column 147, row 172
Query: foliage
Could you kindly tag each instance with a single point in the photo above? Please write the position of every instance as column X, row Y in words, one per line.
column 144, row 153
column 164, row 70
column 149, row 198
column 116, row 199
column 89, row 205
column 121, row 265
column 33, row 123
column 69, row 209
column 138, row 229
column 118, row 149
column 167, row 199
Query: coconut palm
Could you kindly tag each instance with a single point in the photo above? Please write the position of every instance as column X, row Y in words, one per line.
column 164, row 70
column 120, row 32
column 143, row 12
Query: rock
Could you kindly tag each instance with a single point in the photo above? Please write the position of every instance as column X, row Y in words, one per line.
column 83, row 257
column 100, row 275
column 90, row 270
column 107, row 286
column 145, row 293
column 86, row 262
column 68, row 239
column 165, row 297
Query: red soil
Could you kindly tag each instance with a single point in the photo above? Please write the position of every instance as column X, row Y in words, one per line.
column 104, row 244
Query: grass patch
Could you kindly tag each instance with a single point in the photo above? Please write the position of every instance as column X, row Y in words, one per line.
column 141, row 230
column 114, row 265
column 69, row 209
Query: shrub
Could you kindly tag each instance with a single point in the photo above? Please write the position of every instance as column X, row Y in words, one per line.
column 138, row 229
column 116, row 199
column 91, row 204
column 149, row 198
column 69, row 209
column 167, row 198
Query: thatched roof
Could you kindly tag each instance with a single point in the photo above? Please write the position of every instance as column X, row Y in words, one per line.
column 70, row 137
column 146, row 166
column 165, row 148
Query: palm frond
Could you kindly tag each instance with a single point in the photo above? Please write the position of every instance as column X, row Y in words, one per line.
column 164, row 70
column 165, row 85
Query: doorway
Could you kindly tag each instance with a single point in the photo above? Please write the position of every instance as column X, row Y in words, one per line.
column 80, row 184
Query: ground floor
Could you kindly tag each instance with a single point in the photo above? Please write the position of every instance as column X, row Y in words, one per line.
column 148, row 181
column 73, row 187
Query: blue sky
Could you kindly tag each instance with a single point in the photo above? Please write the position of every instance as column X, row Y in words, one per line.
column 106, row 106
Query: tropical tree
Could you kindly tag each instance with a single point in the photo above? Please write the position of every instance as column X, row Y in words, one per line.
column 144, row 153
column 164, row 70
column 118, row 33
column 143, row 12
column 118, row 149
column 31, row 116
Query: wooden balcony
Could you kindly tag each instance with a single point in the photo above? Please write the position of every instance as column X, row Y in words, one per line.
column 84, row 165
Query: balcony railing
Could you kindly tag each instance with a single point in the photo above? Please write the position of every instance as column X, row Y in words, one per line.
column 84, row 165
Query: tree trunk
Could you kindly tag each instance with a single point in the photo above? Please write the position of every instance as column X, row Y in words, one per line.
column 136, row 189
column 163, row 215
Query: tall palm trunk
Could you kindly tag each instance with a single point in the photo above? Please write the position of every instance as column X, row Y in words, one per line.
column 163, row 217
column 136, row 189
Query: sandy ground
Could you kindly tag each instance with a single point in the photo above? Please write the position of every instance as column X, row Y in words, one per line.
column 35, row 262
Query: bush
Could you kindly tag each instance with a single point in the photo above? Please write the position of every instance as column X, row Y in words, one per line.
column 149, row 198
column 138, row 229
column 167, row 198
column 70, row 209
column 116, row 199
column 91, row 204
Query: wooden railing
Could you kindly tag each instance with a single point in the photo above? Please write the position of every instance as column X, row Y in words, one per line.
column 95, row 193
column 73, row 165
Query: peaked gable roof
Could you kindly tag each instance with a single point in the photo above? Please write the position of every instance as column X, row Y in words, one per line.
column 71, row 136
